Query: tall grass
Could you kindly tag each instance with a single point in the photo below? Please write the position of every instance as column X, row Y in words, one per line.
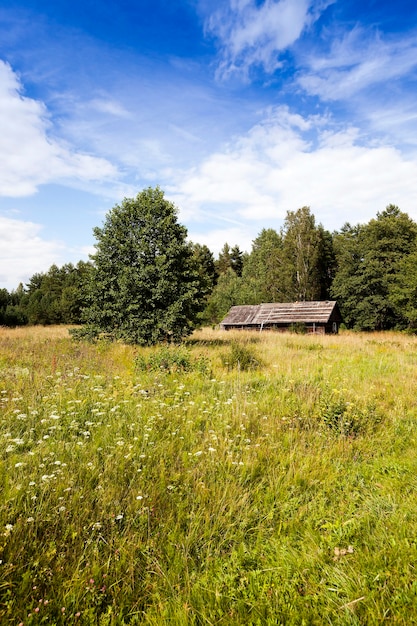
column 176, row 486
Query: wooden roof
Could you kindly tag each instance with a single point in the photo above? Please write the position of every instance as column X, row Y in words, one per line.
column 318, row 312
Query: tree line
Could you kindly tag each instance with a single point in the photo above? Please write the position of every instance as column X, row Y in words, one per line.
column 146, row 282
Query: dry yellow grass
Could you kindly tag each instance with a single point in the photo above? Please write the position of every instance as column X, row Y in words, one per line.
column 34, row 332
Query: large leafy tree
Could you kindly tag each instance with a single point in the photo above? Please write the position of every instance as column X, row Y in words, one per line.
column 371, row 260
column 263, row 268
column 145, row 285
column 347, row 283
column 304, row 255
column 326, row 262
column 404, row 290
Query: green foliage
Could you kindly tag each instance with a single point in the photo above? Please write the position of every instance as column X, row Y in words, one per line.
column 241, row 356
column 301, row 257
column 89, row 333
column 297, row 264
column 226, row 293
column 345, row 417
column 326, row 262
column 206, row 267
column 224, row 260
column 172, row 359
column 4, row 301
column 230, row 258
column 403, row 291
column 237, row 260
column 14, row 315
column 370, row 261
column 146, row 286
column 263, row 269
column 12, row 311
column 57, row 297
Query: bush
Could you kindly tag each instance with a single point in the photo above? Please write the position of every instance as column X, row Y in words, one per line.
column 88, row 332
column 241, row 357
column 347, row 418
column 172, row 359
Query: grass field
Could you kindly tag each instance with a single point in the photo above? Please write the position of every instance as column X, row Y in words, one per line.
column 236, row 479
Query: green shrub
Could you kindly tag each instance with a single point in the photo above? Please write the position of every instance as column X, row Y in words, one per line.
column 88, row 332
column 241, row 357
column 172, row 359
column 348, row 418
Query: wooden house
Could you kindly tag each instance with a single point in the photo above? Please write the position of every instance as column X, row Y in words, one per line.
column 317, row 317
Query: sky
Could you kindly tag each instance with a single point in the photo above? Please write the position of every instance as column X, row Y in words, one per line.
column 240, row 110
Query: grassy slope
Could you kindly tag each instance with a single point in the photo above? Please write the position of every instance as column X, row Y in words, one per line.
column 284, row 493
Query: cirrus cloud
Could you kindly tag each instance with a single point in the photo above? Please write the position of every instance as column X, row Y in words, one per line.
column 253, row 35
column 356, row 62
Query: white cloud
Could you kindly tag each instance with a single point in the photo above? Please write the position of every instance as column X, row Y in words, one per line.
column 397, row 119
column 288, row 162
column 253, row 35
column 29, row 154
column 23, row 252
column 109, row 106
column 215, row 239
column 356, row 62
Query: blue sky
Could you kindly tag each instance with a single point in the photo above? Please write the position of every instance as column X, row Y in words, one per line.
column 240, row 110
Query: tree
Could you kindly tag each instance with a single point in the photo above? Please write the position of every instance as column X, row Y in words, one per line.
column 404, row 291
column 57, row 296
column 226, row 294
column 4, row 301
column 224, row 260
column 206, row 266
column 145, row 286
column 72, row 297
column 262, row 269
column 348, row 245
column 237, row 259
column 14, row 313
column 301, row 257
column 326, row 264
column 232, row 258
column 370, row 261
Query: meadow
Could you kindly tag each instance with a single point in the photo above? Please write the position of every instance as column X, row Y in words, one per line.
column 254, row 479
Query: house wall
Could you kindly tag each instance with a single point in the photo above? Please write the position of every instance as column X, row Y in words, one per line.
column 311, row 329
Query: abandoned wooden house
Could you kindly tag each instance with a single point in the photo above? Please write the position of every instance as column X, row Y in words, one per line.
column 317, row 317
